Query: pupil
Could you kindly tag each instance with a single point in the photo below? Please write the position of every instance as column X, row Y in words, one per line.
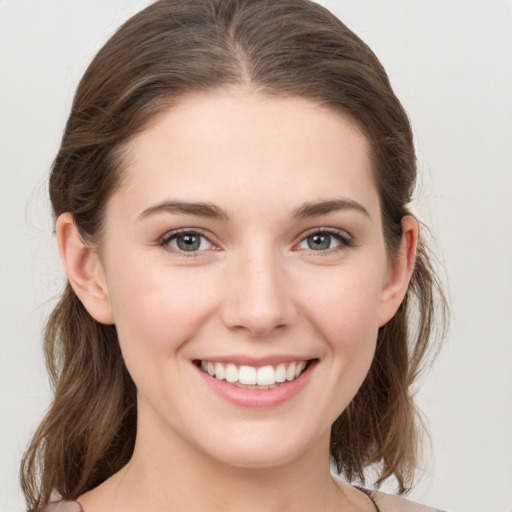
column 319, row 241
column 189, row 242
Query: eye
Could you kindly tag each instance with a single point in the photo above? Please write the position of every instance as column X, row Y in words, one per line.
column 325, row 240
column 186, row 241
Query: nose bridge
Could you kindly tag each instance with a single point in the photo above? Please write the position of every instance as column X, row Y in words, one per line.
column 259, row 299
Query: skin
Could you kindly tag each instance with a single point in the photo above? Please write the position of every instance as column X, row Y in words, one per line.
column 255, row 287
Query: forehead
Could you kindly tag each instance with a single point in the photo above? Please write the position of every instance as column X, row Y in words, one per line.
column 243, row 145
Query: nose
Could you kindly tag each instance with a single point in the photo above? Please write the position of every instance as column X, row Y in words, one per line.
column 258, row 297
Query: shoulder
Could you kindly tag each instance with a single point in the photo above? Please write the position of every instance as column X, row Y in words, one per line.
column 63, row 506
column 391, row 503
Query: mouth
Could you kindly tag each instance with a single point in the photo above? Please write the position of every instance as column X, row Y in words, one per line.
column 252, row 377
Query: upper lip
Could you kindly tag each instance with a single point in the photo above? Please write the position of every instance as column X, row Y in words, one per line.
column 257, row 362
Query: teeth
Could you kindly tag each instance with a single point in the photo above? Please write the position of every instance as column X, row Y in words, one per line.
column 231, row 373
column 265, row 377
column 290, row 372
column 280, row 373
column 220, row 372
column 247, row 375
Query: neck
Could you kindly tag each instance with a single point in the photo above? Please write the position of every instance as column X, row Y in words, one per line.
column 191, row 481
column 169, row 474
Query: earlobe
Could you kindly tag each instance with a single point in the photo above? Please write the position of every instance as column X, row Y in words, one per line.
column 84, row 270
column 400, row 271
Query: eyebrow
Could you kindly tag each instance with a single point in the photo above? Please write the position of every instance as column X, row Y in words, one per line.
column 324, row 207
column 199, row 209
column 209, row 210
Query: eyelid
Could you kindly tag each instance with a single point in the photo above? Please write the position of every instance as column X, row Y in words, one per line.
column 345, row 239
column 165, row 240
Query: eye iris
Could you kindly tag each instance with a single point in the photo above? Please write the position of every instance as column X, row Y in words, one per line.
column 319, row 241
column 188, row 242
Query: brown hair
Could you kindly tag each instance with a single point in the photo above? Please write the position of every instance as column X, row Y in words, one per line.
column 176, row 47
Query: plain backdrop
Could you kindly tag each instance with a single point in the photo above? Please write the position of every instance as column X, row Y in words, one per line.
column 450, row 62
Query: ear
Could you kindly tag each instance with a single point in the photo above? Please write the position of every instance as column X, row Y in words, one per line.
column 84, row 269
column 400, row 271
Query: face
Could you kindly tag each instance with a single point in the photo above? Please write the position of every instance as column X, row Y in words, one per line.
column 244, row 266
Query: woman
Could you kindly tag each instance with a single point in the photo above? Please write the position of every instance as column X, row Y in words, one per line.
column 231, row 209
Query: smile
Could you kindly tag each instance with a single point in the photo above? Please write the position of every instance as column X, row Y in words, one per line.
column 251, row 377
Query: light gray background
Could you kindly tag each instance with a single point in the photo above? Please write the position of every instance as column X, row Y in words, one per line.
column 450, row 63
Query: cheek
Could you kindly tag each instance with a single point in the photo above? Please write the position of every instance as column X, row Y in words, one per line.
column 345, row 304
column 157, row 309
column 342, row 308
column 345, row 311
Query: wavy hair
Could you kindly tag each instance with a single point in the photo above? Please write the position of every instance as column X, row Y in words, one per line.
column 175, row 47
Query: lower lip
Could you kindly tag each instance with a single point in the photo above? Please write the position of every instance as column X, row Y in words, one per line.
column 258, row 398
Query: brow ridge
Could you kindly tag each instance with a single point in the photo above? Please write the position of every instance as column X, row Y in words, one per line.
column 209, row 210
column 315, row 209
column 200, row 209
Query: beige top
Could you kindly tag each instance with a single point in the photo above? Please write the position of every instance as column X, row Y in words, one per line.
column 385, row 502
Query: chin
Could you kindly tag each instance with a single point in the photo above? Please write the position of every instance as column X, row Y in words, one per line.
column 256, row 459
column 261, row 451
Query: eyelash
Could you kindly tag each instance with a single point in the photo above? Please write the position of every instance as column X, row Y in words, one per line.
column 344, row 239
column 169, row 237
